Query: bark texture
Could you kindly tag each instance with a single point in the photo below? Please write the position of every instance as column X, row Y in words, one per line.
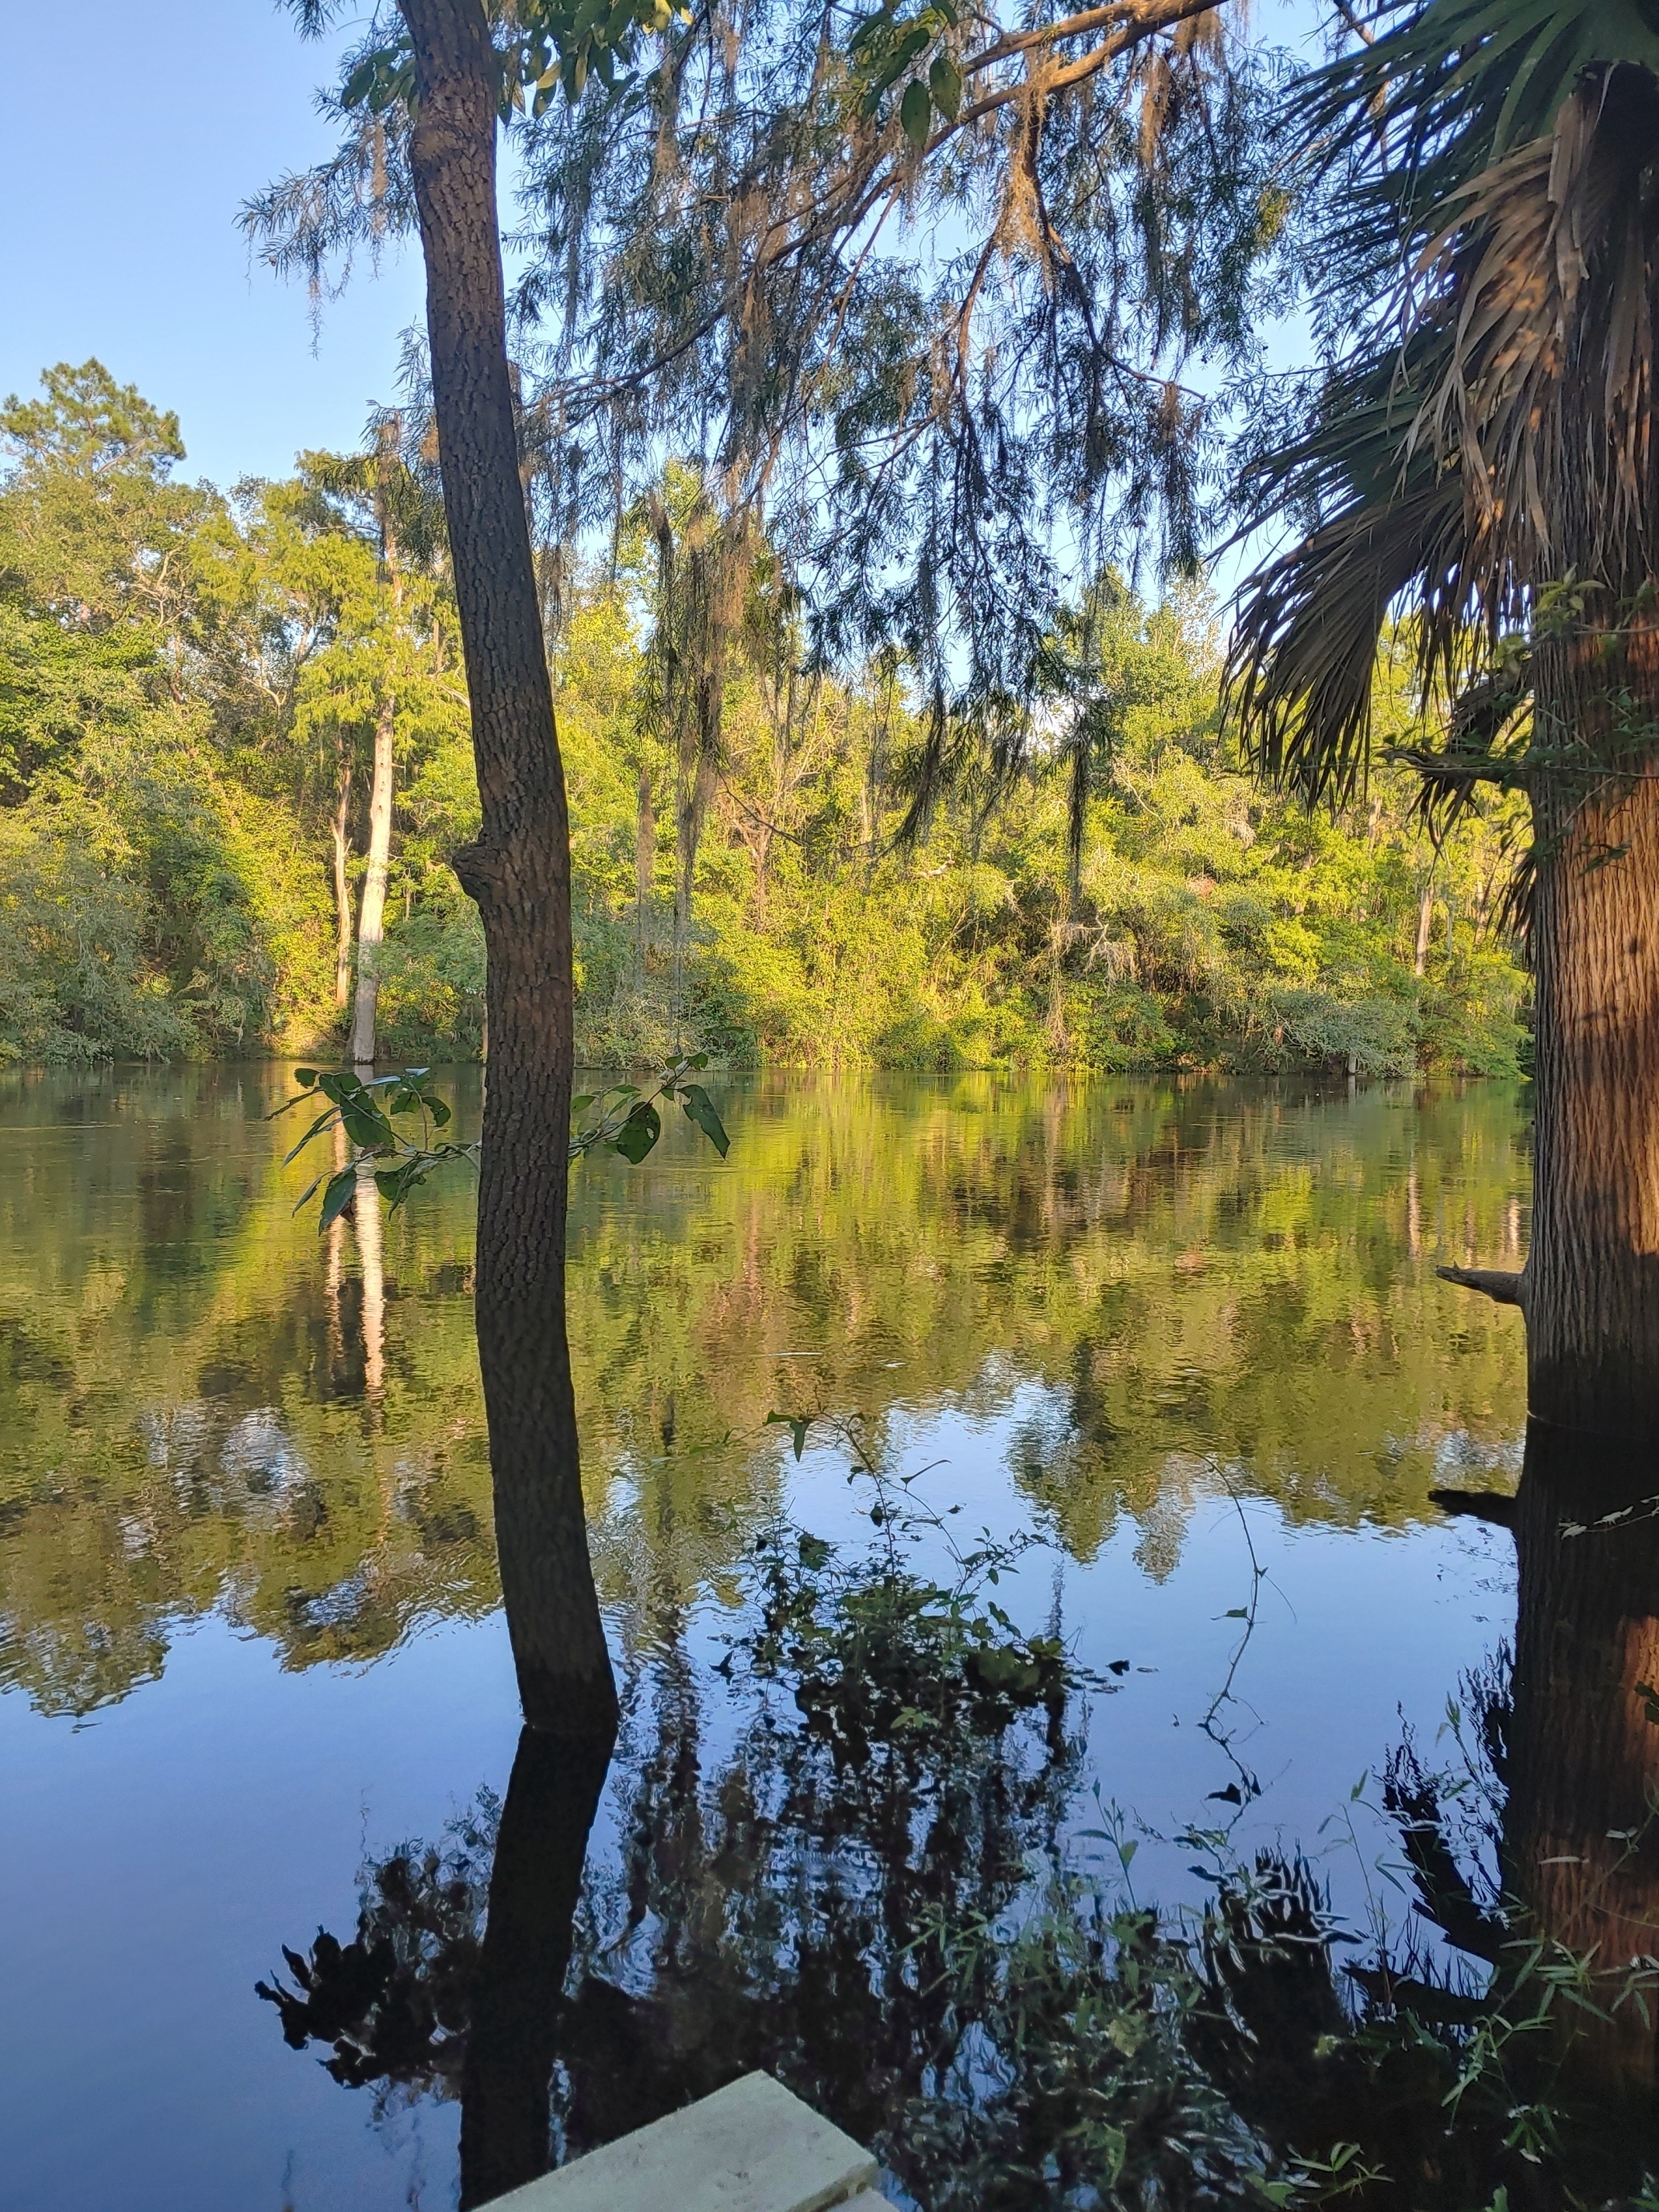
column 1591, row 1286
column 518, row 872
column 371, row 914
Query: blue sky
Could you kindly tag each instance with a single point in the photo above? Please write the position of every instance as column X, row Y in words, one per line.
column 117, row 223
column 130, row 135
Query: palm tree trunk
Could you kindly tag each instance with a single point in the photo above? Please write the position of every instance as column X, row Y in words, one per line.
column 342, row 891
column 371, row 914
column 1591, row 1284
column 1425, row 918
column 518, row 872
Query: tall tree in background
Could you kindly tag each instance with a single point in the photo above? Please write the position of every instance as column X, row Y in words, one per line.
column 371, row 913
column 1486, row 452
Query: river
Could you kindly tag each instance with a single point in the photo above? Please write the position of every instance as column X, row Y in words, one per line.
column 1187, row 1334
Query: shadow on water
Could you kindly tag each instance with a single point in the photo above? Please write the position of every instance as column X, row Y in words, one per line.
column 883, row 1895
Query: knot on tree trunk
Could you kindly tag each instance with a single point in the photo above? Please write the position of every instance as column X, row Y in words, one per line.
column 479, row 870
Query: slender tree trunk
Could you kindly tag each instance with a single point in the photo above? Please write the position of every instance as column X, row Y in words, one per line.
column 698, row 777
column 1425, row 918
column 342, row 891
column 1590, row 1289
column 518, row 872
column 761, row 849
column 645, row 871
column 371, row 914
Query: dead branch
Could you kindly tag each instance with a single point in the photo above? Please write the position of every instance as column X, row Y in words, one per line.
column 1503, row 1284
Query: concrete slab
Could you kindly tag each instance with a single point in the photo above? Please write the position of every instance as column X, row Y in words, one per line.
column 752, row 2147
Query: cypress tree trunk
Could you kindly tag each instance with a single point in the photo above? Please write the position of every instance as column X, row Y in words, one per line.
column 518, row 872
column 371, row 914
column 1591, row 1286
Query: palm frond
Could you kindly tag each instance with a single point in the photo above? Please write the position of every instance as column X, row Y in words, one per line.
column 1298, row 677
column 1491, row 435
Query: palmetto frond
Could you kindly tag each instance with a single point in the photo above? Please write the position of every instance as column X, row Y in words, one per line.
column 1495, row 433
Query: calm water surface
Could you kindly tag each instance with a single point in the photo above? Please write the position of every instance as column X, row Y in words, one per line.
column 249, row 1626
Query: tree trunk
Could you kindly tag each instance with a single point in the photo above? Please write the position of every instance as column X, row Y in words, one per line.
column 371, row 914
column 1591, row 1284
column 645, row 871
column 342, row 891
column 518, row 872
column 1425, row 918
column 1581, row 1848
column 697, row 788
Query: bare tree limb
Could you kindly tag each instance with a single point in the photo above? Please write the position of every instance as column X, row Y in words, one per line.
column 1503, row 1284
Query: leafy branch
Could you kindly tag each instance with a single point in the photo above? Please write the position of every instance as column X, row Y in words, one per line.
column 623, row 1118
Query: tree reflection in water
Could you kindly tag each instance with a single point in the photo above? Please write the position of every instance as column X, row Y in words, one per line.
column 870, row 1898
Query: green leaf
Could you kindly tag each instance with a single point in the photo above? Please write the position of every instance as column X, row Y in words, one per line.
column 357, row 86
column 945, row 82
column 638, row 1134
column 913, row 111
column 796, row 1425
column 305, row 1075
column 321, row 1122
column 700, row 1109
column 342, row 1189
column 365, row 1126
column 867, row 26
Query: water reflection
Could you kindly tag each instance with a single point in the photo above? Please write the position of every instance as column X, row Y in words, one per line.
column 1582, row 1834
column 199, row 1410
column 887, row 1899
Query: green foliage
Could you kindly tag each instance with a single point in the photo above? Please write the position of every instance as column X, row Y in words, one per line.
column 624, row 1121
column 1155, row 909
column 189, row 687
